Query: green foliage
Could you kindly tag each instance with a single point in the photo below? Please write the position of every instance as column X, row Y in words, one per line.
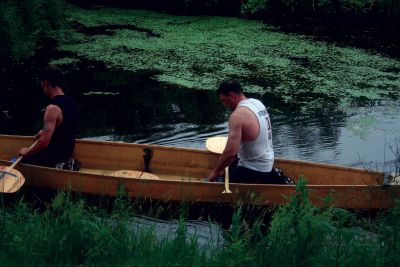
column 54, row 10
column 24, row 22
column 30, row 12
column 64, row 61
column 389, row 8
column 11, row 34
column 357, row 6
column 389, row 238
column 68, row 231
column 301, row 234
column 250, row 7
column 238, row 251
column 297, row 231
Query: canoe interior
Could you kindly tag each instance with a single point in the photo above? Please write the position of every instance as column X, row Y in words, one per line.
column 177, row 164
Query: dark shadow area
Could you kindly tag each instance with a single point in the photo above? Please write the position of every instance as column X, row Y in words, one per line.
column 380, row 35
column 177, row 7
column 109, row 29
column 111, row 101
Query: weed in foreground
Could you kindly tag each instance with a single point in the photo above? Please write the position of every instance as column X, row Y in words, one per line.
column 68, row 231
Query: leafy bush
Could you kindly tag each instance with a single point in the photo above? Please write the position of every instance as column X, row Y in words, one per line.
column 251, row 7
column 14, row 46
column 23, row 23
column 68, row 231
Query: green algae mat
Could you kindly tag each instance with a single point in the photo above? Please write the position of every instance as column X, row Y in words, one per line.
column 199, row 52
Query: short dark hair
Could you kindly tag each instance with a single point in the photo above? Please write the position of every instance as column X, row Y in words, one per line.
column 52, row 74
column 229, row 86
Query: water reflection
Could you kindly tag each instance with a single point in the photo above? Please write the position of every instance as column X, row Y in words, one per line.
column 208, row 236
column 138, row 105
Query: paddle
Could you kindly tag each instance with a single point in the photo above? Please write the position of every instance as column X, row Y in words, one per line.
column 217, row 145
column 11, row 180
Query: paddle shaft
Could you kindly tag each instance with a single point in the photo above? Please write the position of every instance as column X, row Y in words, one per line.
column 7, row 174
column 227, row 190
column 217, row 145
column 9, row 169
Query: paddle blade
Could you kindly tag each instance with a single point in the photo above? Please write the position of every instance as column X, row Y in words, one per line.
column 10, row 181
column 216, row 144
column 134, row 174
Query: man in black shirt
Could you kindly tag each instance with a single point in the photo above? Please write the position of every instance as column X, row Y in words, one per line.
column 56, row 141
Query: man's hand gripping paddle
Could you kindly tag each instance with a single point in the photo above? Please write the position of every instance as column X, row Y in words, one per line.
column 217, row 145
column 11, row 180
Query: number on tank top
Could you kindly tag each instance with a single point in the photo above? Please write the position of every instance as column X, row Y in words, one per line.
column 269, row 127
column 268, row 123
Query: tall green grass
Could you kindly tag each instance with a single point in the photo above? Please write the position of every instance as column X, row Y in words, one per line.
column 69, row 231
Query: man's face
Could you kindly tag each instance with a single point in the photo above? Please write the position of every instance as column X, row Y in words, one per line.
column 45, row 86
column 228, row 100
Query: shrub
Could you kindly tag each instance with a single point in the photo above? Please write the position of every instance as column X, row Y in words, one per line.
column 251, row 7
column 23, row 23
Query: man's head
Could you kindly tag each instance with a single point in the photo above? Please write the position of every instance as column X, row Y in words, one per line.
column 230, row 93
column 50, row 78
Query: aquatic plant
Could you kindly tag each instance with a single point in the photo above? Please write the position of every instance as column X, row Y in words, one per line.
column 199, row 52
column 360, row 125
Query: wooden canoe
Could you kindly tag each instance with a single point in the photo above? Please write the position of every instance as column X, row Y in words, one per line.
column 182, row 172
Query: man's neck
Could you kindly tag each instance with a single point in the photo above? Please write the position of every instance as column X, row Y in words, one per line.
column 55, row 92
column 240, row 98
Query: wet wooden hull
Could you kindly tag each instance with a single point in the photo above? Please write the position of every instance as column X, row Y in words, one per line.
column 182, row 172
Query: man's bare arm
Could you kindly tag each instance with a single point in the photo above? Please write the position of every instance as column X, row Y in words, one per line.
column 232, row 145
column 51, row 115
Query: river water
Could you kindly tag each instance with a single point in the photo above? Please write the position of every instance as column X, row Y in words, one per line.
column 122, row 106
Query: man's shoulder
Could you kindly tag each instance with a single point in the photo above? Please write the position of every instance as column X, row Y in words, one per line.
column 51, row 108
column 254, row 105
column 257, row 101
column 64, row 101
column 240, row 114
column 242, row 110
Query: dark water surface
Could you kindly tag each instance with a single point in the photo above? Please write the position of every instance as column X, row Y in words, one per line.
column 123, row 106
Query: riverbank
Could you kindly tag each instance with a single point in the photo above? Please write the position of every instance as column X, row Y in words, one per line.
column 68, row 231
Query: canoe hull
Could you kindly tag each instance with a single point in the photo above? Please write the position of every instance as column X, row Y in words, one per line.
column 182, row 172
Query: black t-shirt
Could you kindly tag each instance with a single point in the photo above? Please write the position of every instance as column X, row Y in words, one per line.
column 62, row 142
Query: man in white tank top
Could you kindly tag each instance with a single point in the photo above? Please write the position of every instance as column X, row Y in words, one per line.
column 249, row 139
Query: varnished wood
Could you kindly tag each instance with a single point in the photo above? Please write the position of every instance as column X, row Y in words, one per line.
column 216, row 144
column 10, row 179
column 182, row 173
column 134, row 174
column 122, row 173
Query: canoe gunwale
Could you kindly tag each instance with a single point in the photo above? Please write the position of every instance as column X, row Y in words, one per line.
column 200, row 151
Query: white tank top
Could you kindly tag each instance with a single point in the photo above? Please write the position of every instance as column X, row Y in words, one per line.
column 258, row 154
